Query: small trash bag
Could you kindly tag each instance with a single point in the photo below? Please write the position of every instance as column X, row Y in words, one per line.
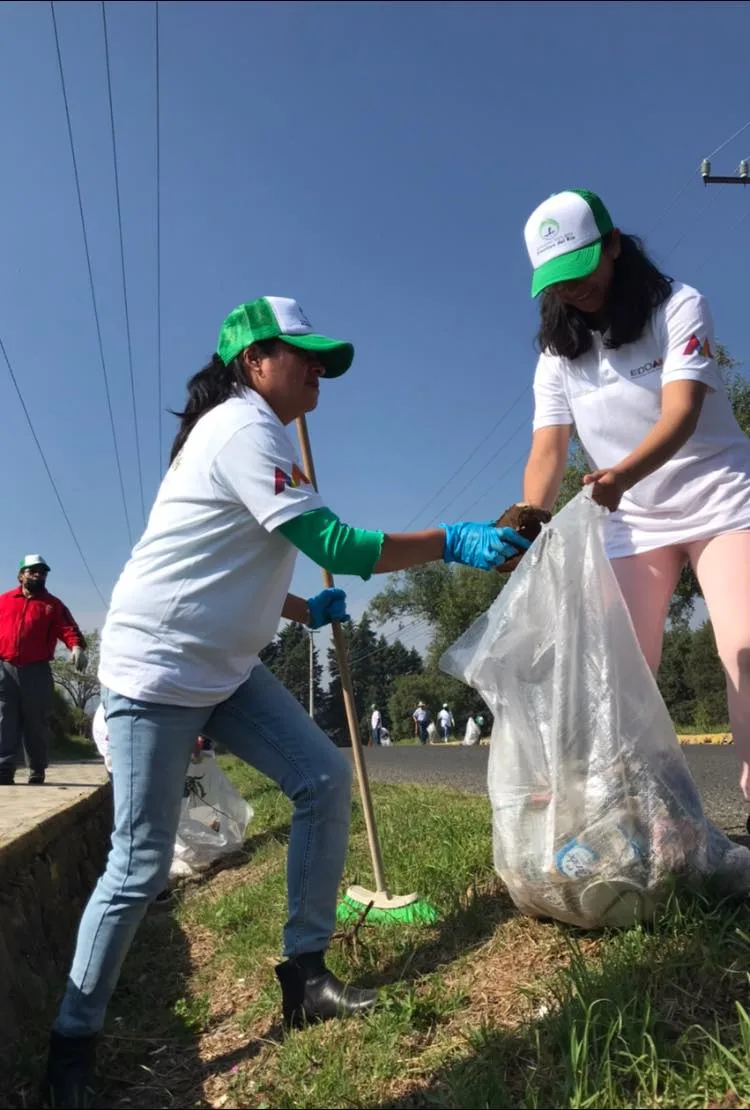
column 594, row 809
column 213, row 817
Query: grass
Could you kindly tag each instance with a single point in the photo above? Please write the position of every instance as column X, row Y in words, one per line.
column 485, row 1009
column 72, row 749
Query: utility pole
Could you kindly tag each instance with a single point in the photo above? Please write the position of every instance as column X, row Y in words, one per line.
column 311, row 633
column 742, row 177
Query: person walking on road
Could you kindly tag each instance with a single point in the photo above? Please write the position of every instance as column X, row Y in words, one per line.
column 376, row 725
column 445, row 723
column 31, row 623
column 421, row 721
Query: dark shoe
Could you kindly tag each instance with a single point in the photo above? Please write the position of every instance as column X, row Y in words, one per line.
column 70, row 1071
column 36, row 778
column 7, row 778
column 311, row 993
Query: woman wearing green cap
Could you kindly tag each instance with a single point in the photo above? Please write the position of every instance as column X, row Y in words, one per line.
column 201, row 595
column 627, row 357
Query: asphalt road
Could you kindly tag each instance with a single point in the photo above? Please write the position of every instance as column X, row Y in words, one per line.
column 713, row 767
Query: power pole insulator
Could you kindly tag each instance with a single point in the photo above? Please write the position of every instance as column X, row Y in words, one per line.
column 705, row 168
column 743, row 170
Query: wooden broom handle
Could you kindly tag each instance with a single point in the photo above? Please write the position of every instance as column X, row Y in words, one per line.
column 347, row 689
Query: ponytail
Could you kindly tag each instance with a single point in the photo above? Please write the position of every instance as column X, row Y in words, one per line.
column 209, row 387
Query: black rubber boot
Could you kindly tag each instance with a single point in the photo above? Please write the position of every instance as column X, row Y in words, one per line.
column 70, row 1072
column 7, row 776
column 36, row 778
column 311, row 993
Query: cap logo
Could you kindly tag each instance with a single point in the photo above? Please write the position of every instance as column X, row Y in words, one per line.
column 548, row 229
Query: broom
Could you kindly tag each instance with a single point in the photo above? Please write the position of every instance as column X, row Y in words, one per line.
column 359, row 903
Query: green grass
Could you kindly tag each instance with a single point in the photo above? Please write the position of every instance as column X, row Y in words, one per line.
column 485, row 1009
column 72, row 749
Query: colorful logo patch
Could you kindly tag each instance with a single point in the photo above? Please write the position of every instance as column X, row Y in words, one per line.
column 695, row 347
column 282, row 479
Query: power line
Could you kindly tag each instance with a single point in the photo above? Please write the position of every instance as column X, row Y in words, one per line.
column 469, row 457
column 90, row 271
column 683, row 188
column 122, row 258
column 501, row 448
column 716, row 246
column 731, row 139
column 158, row 231
column 49, row 472
column 496, row 481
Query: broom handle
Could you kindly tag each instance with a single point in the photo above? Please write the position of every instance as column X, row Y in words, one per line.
column 347, row 689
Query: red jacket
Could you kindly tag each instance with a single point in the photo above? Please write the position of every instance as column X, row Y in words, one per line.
column 31, row 626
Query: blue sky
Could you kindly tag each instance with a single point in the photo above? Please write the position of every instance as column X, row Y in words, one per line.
column 377, row 161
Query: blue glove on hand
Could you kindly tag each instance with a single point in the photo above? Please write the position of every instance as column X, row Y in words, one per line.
column 329, row 605
column 481, row 545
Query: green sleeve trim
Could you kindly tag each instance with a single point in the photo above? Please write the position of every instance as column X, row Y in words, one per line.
column 337, row 547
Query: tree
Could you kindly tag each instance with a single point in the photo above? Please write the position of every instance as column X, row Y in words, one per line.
column 449, row 598
column 375, row 666
column 674, row 679
column 433, row 688
column 288, row 658
column 80, row 687
column 707, row 678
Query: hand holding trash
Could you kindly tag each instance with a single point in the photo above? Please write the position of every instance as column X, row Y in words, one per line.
column 481, row 545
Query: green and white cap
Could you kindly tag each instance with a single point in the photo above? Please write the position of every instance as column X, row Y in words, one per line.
column 280, row 318
column 29, row 561
column 564, row 237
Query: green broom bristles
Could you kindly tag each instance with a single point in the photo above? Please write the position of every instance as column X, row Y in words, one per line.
column 417, row 913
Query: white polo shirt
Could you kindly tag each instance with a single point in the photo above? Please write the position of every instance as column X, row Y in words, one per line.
column 203, row 590
column 614, row 400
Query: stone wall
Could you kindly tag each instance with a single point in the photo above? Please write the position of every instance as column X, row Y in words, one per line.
column 46, row 876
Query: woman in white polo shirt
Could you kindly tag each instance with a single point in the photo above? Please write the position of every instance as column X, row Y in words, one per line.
column 627, row 357
column 202, row 593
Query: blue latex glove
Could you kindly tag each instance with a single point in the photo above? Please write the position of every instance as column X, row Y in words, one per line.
column 329, row 605
column 481, row 545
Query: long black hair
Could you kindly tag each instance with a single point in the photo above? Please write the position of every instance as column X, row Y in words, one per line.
column 215, row 383
column 638, row 287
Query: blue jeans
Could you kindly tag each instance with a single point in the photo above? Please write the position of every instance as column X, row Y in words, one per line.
column 150, row 747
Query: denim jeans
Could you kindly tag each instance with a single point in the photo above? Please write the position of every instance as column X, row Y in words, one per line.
column 150, row 746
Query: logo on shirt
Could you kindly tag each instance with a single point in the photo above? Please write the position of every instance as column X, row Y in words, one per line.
column 647, row 368
column 282, row 479
column 695, row 347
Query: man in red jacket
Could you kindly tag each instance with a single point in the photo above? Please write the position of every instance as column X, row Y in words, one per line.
column 31, row 623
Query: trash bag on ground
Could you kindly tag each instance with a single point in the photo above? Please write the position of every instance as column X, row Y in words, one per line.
column 594, row 809
column 213, row 817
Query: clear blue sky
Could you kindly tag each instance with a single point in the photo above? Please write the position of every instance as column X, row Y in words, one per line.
column 376, row 161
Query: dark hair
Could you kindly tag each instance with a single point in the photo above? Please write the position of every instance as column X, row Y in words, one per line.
column 638, row 287
column 213, row 384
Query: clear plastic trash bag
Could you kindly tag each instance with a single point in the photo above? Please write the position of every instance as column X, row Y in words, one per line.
column 213, row 817
column 594, row 809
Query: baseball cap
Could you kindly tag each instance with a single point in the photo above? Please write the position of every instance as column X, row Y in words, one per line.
column 29, row 561
column 280, row 318
column 564, row 237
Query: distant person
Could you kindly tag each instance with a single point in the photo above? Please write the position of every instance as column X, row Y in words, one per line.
column 31, row 623
column 446, row 724
column 421, row 720
column 385, row 737
column 376, row 725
